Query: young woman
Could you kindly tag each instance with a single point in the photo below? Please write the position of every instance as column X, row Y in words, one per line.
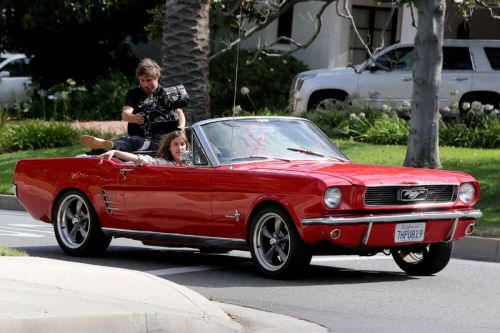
column 171, row 148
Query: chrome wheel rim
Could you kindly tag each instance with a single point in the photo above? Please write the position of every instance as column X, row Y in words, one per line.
column 326, row 104
column 73, row 221
column 414, row 258
column 271, row 241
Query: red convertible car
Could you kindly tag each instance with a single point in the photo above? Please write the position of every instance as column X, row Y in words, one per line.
column 276, row 186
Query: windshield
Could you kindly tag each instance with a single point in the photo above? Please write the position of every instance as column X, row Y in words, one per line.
column 269, row 138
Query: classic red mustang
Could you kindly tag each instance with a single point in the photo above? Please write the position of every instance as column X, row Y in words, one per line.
column 276, row 186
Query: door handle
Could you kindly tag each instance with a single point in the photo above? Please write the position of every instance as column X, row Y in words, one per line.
column 461, row 78
column 406, row 78
column 123, row 172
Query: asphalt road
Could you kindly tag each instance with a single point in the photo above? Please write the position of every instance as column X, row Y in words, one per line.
column 344, row 294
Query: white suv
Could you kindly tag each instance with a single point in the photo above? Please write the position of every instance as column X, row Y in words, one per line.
column 471, row 72
column 14, row 77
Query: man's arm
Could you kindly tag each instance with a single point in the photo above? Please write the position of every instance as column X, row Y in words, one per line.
column 129, row 117
column 182, row 119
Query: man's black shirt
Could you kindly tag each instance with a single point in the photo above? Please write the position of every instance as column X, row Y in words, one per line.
column 136, row 98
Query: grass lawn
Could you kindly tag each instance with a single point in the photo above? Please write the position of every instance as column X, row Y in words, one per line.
column 483, row 164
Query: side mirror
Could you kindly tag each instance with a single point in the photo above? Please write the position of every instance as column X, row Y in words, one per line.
column 187, row 156
column 4, row 74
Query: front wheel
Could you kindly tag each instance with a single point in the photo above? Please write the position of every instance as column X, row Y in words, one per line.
column 77, row 226
column 276, row 246
column 427, row 260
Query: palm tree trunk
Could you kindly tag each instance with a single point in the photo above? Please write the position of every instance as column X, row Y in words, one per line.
column 185, row 49
column 423, row 140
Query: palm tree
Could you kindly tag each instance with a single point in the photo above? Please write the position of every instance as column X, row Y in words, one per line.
column 185, row 51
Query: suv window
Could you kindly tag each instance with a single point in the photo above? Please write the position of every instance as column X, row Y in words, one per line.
column 493, row 55
column 397, row 59
column 456, row 58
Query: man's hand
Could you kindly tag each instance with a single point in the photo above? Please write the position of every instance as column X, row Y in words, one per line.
column 138, row 118
column 129, row 117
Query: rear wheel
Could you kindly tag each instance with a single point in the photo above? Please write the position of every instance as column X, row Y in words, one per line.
column 323, row 101
column 276, row 246
column 427, row 260
column 77, row 226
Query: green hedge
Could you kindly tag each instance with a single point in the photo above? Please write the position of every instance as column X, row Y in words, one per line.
column 267, row 79
column 367, row 124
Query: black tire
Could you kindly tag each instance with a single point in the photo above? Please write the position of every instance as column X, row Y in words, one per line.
column 428, row 260
column 77, row 227
column 275, row 244
column 324, row 101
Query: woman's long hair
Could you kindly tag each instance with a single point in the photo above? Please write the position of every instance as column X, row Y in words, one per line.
column 164, row 150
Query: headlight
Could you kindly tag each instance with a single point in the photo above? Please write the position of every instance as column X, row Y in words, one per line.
column 333, row 197
column 467, row 193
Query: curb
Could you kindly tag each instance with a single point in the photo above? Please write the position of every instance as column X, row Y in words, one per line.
column 9, row 202
column 470, row 248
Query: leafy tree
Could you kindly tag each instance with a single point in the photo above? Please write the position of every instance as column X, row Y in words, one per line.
column 74, row 39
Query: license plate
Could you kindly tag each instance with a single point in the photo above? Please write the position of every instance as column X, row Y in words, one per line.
column 409, row 232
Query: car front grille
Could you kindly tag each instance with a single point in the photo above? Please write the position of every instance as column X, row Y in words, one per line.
column 410, row 195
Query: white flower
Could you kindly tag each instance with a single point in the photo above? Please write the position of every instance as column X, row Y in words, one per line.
column 476, row 105
column 446, row 110
column 405, row 105
column 71, row 82
column 488, row 107
column 362, row 115
column 42, row 93
column 64, row 95
column 494, row 113
column 353, row 116
column 244, row 91
column 465, row 105
column 454, row 92
column 454, row 105
column 385, row 108
column 51, row 97
column 237, row 109
column 271, row 69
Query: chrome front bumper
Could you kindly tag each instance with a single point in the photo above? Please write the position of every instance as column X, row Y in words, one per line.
column 388, row 218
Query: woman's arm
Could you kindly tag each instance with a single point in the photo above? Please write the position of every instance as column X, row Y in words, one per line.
column 119, row 154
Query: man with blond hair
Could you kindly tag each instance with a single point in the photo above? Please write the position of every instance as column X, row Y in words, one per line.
column 148, row 92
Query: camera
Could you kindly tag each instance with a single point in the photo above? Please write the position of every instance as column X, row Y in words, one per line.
column 175, row 97
column 158, row 112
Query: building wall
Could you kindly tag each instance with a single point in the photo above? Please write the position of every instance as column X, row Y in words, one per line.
column 331, row 46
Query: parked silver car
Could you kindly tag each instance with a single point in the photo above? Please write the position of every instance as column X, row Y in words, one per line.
column 471, row 72
column 15, row 78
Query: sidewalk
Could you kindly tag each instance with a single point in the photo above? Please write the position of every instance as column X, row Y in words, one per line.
column 47, row 295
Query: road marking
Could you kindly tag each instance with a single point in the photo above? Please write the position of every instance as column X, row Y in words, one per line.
column 180, row 270
column 348, row 258
column 25, row 230
column 11, row 232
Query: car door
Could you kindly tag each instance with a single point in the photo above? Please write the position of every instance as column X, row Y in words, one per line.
column 391, row 81
column 14, row 80
column 167, row 199
column 456, row 76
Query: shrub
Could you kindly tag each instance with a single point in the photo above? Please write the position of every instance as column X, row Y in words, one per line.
column 481, row 132
column 65, row 101
column 35, row 134
column 267, row 79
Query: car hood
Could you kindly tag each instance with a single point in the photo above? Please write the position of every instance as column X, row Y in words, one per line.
column 328, row 71
column 366, row 175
